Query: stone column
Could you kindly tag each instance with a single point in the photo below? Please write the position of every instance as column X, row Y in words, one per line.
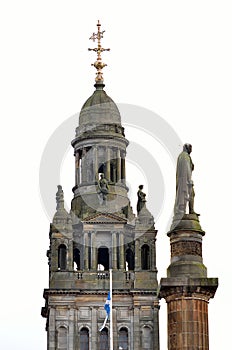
column 187, row 289
column 77, row 168
column 86, row 251
column 136, row 336
column 52, row 330
column 153, row 262
column 121, row 250
column 83, row 166
column 118, row 166
column 71, row 334
column 137, row 256
column 156, row 342
column 95, row 162
column 94, row 251
column 188, row 318
column 123, row 167
column 115, row 331
column 114, row 248
column 94, row 330
column 108, row 152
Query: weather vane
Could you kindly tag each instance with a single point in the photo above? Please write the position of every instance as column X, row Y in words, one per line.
column 99, row 65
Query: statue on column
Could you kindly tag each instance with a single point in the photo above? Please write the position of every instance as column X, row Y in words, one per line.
column 184, row 184
column 141, row 199
column 103, row 188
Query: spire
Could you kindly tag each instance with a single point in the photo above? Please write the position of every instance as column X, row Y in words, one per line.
column 98, row 64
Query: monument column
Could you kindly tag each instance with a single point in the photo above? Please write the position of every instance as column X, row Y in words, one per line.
column 187, row 289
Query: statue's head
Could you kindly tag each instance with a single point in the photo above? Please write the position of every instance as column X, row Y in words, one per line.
column 140, row 187
column 187, row 148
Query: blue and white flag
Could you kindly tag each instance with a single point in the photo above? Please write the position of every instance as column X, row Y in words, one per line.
column 107, row 309
column 107, row 305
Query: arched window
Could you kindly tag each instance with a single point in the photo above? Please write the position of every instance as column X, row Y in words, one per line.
column 123, row 339
column 84, row 339
column 145, row 257
column 76, row 258
column 130, row 259
column 62, row 257
column 146, row 338
column 104, row 341
column 103, row 257
column 62, row 340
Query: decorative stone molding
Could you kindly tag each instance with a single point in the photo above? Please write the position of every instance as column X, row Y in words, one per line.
column 186, row 248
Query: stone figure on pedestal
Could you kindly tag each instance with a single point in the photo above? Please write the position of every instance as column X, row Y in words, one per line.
column 103, row 187
column 141, row 199
column 184, row 184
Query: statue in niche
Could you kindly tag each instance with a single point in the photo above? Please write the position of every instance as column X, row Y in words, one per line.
column 141, row 199
column 103, row 188
column 184, row 184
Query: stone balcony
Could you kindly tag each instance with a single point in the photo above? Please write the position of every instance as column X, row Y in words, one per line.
column 99, row 280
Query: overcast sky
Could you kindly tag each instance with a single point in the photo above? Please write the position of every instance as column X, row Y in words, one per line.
column 172, row 58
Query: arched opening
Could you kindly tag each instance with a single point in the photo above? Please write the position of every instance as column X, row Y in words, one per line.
column 103, row 257
column 130, row 261
column 62, row 257
column 101, row 169
column 145, row 257
column 123, row 339
column 62, row 339
column 84, row 339
column 146, row 338
column 104, row 340
column 76, row 259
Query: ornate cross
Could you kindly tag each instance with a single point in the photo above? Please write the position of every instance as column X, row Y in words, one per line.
column 99, row 65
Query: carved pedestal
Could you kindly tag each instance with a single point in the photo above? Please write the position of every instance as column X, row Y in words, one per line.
column 187, row 289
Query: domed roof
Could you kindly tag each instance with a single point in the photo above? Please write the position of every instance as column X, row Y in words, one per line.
column 99, row 109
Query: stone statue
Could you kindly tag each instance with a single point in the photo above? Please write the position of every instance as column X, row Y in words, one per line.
column 59, row 198
column 103, row 187
column 184, row 184
column 141, row 199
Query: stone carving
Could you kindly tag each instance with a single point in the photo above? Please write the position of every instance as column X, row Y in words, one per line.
column 184, row 184
column 141, row 199
column 186, row 248
column 103, row 188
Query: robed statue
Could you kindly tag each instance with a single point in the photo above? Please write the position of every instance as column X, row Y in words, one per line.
column 103, row 188
column 141, row 199
column 184, row 184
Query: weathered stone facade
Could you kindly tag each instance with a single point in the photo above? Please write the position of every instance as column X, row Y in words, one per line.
column 99, row 233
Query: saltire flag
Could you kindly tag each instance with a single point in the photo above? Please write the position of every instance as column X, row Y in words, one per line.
column 107, row 309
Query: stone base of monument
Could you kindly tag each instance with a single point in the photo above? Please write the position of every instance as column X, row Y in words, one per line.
column 186, row 247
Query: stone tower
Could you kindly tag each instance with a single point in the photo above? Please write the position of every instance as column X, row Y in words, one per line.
column 187, row 289
column 101, row 232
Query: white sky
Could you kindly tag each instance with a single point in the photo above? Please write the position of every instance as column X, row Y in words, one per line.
column 171, row 57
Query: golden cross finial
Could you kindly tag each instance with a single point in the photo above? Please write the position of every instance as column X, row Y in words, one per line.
column 99, row 65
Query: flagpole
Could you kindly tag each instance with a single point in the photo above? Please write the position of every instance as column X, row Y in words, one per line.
column 111, row 312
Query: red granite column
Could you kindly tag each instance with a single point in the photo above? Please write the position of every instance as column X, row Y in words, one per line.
column 188, row 322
